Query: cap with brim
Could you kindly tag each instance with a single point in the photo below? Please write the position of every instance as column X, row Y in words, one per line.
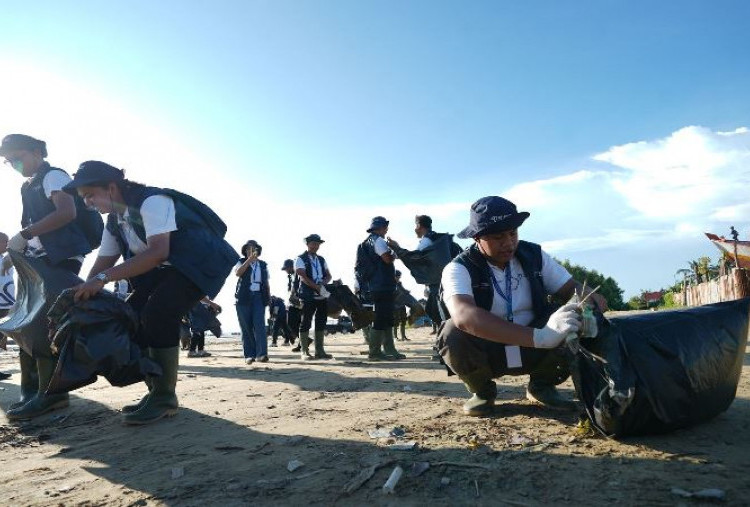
column 91, row 173
column 287, row 264
column 314, row 237
column 377, row 223
column 492, row 214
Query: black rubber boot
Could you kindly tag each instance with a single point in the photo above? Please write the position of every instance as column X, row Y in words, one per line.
column 389, row 348
column 162, row 400
column 127, row 409
column 320, row 353
column 41, row 403
column 375, row 343
column 29, row 380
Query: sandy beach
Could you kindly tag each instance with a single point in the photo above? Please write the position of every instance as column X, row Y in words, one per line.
column 241, row 428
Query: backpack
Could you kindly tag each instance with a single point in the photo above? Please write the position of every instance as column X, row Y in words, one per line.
column 364, row 266
column 90, row 222
column 454, row 247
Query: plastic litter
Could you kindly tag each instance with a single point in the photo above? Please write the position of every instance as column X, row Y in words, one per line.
column 294, row 465
column 703, row 494
column 390, row 484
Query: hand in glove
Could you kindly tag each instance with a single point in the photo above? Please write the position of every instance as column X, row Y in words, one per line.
column 564, row 321
column 17, row 243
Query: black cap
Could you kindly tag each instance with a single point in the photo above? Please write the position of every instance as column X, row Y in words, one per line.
column 314, row 237
column 93, row 172
column 492, row 214
column 289, row 263
column 13, row 142
column 377, row 223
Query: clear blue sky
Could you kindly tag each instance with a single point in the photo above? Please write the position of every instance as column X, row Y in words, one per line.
column 377, row 105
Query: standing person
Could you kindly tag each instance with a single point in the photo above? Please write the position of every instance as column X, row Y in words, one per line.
column 280, row 325
column 253, row 295
column 313, row 274
column 53, row 230
column 500, row 323
column 7, row 294
column 375, row 274
column 174, row 254
column 294, row 311
column 399, row 313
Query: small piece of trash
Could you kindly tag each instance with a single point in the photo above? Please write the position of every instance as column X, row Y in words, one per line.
column 393, row 479
column 703, row 494
column 445, row 481
column 518, row 439
column 65, row 489
column 386, row 433
column 294, row 465
column 419, row 467
column 177, row 472
column 406, row 446
column 407, row 389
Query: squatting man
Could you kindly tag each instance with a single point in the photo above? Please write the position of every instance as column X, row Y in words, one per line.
column 501, row 323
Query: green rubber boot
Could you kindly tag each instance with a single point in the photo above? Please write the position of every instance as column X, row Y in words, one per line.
column 304, row 342
column 366, row 333
column 41, row 403
column 389, row 348
column 162, row 400
column 375, row 342
column 403, row 332
column 479, row 383
column 320, row 353
column 127, row 409
column 29, row 380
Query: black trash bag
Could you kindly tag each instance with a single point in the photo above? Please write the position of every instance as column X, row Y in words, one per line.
column 657, row 372
column 96, row 337
column 404, row 298
column 38, row 286
column 203, row 318
column 426, row 266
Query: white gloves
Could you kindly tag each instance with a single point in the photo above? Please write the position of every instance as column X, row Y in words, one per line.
column 564, row 321
column 17, row 243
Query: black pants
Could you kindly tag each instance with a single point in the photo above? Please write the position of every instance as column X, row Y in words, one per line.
column 317, row 307
column 197, row 340
column 280, row 325
column 465, row 354
column 384, row 302
column 160, row 300
column 293, row 320
column 431, row 308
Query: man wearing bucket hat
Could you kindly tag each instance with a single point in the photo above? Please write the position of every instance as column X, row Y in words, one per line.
column 376, row 276
column 313, row 274
column 496, row 294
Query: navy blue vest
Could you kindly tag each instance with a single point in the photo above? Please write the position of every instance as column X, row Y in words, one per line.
column 60, row 244
column 384, row 277
column 195, row 248
column 305, row 292
column 530, row 257
column 242, row 292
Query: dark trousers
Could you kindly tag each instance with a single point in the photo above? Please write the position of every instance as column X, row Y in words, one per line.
column 469, row 356
column 160, row 300
column 293, row 320
column 431, row 308
column 197, row 340
column 384, row 302
column 318, row 308
column 280, row 325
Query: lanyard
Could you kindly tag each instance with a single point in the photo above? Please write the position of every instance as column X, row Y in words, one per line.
column 509, row 297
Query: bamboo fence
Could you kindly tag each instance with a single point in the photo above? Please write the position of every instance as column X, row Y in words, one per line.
column 734, row 285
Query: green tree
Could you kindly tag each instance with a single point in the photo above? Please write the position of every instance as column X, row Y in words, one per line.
column 609, row 288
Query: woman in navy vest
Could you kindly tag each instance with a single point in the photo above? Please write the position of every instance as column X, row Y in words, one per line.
column 174, row 255
column 252, row 295
column 50, row 233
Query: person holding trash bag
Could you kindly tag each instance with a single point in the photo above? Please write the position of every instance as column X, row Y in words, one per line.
column 174, row 255
column 496, row 294
column 313, row 274
column 53, row 230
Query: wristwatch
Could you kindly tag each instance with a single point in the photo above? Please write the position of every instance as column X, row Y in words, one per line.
column 102, row 277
